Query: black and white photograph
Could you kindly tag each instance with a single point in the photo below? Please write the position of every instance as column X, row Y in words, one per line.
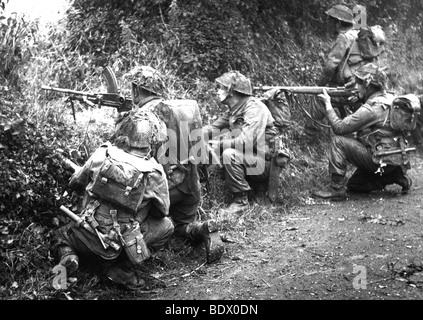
column 211, row 157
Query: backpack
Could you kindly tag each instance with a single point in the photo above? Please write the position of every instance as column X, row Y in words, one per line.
column 404, row 113
column 371, row 42
column 121, row 180
column 366, row 46
column 279, row 108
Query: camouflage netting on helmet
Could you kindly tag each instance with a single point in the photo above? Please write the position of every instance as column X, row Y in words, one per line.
column 373, row 74
column 146, row 77
column 139, row 130
column 234, row 80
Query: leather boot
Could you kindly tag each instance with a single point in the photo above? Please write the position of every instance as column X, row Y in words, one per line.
column 68, row 259
column 207, row 232
column 239, row 204
column 365, row 182
column 336, row 191
column 398, row 176
column 126, row 277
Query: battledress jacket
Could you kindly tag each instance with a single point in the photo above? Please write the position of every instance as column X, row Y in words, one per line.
column 250, row 120
column 331, row 72
column 191, row 182
column 372, row 124
column 373, row 114
column 156, row 194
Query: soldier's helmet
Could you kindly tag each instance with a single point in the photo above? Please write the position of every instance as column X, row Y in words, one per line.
column 372, row 74
column 147, row 78
column 342, row 13
column 140, row 129
column 234, row 80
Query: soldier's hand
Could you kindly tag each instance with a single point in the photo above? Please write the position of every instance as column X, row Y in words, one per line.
column 65, row 162
column 324, row 97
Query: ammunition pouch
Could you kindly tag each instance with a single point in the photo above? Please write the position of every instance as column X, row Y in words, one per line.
column 119, row 226
column 277, row 151
column 134, row 244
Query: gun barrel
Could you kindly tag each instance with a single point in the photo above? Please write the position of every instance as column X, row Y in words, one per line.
column 68, row 91
column 332, row 91
column 113, row 100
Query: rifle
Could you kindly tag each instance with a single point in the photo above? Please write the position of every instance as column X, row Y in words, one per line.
column 332, row 91
column 345, row 96
column 112, row 98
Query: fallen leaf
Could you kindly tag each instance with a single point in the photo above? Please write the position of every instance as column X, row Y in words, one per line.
column 291, row 229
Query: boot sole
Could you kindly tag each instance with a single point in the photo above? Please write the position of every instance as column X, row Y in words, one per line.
column 216, row 248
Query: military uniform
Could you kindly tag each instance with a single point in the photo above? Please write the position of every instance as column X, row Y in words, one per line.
column 341, row 62
column 155, row 226
column 252, row 125
column 184, row 181
column 371, row 123
column 185, row 195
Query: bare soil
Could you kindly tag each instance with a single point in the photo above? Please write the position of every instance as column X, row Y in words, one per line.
column 368, row 247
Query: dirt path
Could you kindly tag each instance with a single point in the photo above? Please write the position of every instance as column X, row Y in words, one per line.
column 369, row 247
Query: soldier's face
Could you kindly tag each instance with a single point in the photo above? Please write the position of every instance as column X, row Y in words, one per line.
column 361, row 89
column 222, row 93
column 333, row 26
column 136, row 97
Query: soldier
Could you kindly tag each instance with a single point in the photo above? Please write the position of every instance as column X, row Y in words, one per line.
column 251, row 127
column 338, row 67
column 184, row 181
column 121, row 236
column 372, row 124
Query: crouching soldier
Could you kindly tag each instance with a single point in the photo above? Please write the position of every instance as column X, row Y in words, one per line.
column 124, row 212
column 251, row 127
column 148, row 89
column 380, row 152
